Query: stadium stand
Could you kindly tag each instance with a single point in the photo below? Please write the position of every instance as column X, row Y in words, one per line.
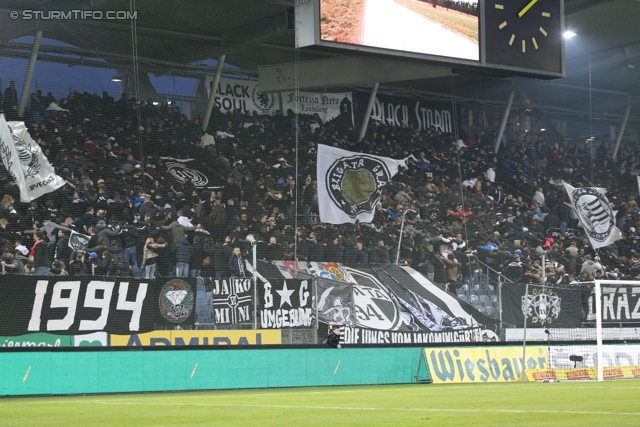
column 457, row 222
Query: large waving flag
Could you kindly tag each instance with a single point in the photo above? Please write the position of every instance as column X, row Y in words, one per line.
column 24, row 160
column 595, row 213
column 350, row 184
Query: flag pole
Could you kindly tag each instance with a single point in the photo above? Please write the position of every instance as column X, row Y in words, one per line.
column 400, row 239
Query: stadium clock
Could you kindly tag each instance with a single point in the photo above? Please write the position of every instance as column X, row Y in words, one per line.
column 525, row 34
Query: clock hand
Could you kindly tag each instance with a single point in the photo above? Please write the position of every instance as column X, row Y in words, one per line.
column 527, row 7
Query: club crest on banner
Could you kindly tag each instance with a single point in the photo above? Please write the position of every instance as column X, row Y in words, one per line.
column 25, row 162
column 541, row 306
column 594, row 212
column 350, row 184
column 28, row 156
column 176, row 301
column 374, row 305
column 355, row 183
column 262, row 101
column 180, row 172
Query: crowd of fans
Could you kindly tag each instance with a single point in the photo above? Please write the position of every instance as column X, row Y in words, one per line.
column 458, row 208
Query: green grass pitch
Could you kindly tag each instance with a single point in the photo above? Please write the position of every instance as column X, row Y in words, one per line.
column 611, row 403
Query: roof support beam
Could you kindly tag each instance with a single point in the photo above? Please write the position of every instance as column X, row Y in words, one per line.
column 503, row 123
column 27, row 79
column 604, row 59
column 212, row 92
column 110, row 56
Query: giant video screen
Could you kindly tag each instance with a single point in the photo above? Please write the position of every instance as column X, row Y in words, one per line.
column 446, row 28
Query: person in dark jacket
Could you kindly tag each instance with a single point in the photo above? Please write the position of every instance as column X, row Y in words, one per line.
column 333, row 339
column 221, row 255
column 237, row 264
column 63, row 251
column 130, row 249
column 164, row 257
column 182, row 253
column 350, row 253
column 197, row 257
column 40, row 254
column 273, row 251
column 333, row 252
column 362, row 256
column 121, row 267
column 104, row 264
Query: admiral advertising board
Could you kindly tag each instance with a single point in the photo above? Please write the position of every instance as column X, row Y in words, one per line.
column 174, row 338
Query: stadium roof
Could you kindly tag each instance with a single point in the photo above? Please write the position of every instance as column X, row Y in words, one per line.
column 603, row 60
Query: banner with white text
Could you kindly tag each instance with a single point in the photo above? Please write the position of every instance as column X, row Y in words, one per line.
column 283, row 303
column 417, row 113
column 328, row 106
column 242, row 95
column 84, row 304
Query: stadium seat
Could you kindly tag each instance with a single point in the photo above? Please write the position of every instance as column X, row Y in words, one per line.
column 464, row 298
column 483, row 298
column 200, row 286
column 473, row 298
column 487, row 304
column 480, row 309
column 491, row 312
column 205, row 317
column 494, row 298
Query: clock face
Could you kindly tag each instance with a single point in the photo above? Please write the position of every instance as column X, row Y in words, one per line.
column 524, row 33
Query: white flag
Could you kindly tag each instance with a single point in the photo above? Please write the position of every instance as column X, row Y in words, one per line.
column 638, row 179
column 78, row 241
column 595, row 213
column 24, row 160
column 350, row 184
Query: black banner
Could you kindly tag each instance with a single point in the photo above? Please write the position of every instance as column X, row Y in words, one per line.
column 396, row 111
column 283, row 303
column 232, row 300
column 372, row 336
column 620, row 304
column 85, row 304
column 335, row 302
column 545, row 306
column 394, row 298
column 200, row 174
